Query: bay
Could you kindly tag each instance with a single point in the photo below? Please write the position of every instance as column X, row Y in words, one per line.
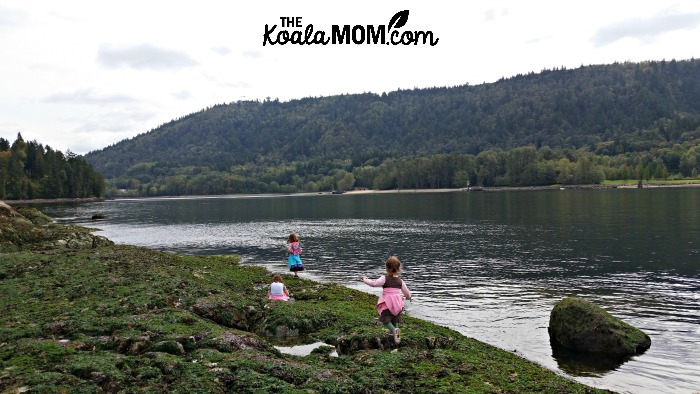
column 487, row 264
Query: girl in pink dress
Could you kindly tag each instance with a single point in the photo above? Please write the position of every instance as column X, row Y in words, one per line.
column 390, row 303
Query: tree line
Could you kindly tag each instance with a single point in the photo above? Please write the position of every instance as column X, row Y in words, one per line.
column 28, row 170
column 522, row 166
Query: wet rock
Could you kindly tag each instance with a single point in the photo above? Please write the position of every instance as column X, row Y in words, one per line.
column 226, row 313
column 99, row 241
column 170, row 347
column 229, row 341
column 59, row 327
column 580, row 325
column 350, row 344
column 138, row 346
column 284, row 332
column 6, row 210
column 439, row 342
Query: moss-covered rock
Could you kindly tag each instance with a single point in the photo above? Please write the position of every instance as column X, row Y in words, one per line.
column 34, row 215
column 26, row 228
column 580, row 325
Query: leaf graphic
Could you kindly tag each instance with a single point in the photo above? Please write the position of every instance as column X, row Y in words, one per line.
column 399, row 19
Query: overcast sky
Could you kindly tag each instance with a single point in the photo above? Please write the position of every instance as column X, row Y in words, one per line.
column 82, row 75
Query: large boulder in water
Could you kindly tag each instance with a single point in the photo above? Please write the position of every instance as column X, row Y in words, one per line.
column 580, row 325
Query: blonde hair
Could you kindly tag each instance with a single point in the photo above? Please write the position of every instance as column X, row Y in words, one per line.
column 277, row 278
column 292, row 238
column 393, row 265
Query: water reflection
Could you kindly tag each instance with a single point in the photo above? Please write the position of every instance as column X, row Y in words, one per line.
column 305, row 350
column 490, row 265
column 586, row 364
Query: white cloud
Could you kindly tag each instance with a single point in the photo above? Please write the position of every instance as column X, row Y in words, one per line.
column 143, row 56
column 90, row 72
column 221, row 50
column 252, row 54
column 11, row 18
column 113, row 121
column 646, row 29
column 182, row 95
column 88, row 96
column 98, row 130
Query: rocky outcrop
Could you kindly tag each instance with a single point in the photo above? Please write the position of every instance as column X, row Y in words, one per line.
column 580, row 325
column 235, row 315
column 28, row 229
column 34, row 216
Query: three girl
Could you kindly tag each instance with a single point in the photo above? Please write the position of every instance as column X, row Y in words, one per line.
column 390, row 303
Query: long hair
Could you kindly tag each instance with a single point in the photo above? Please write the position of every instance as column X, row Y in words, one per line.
column 292, row 238
column 277, row 278
column 393, row 265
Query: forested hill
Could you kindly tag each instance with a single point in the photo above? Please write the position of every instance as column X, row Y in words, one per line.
column 609, row 109
column 30, row 170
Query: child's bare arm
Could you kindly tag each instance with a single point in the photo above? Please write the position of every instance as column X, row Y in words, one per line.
column 404, row 290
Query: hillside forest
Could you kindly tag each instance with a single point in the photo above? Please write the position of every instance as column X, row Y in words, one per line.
column 623, row 121
column 28, row 170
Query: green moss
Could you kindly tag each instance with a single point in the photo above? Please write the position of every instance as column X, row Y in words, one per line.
column 579, row 324
column 126, row 319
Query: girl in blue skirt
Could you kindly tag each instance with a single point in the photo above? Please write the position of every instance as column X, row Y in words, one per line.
column 293, row 251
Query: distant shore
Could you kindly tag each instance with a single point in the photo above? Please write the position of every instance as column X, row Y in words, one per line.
column 516, row 188
column 52, row 200
column 390, row 191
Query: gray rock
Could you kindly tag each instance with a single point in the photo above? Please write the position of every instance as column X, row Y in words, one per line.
column 580, row 325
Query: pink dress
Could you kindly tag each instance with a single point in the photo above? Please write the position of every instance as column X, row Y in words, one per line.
column 390, row 300
column 277, row 292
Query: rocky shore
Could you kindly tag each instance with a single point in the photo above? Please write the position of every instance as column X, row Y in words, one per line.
column 97, row 317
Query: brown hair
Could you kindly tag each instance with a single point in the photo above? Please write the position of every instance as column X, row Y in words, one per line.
column 277, row 278
column 292, row 238
column 393, row 265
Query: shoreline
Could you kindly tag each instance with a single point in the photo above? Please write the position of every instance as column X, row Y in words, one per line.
column 51, row 200
column 526, row 188
column 369, row 191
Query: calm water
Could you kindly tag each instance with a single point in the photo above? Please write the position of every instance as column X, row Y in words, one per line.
column 488, row 264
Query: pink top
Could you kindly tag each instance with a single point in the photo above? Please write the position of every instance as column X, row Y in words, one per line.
column 294, row 248
column 391, row 297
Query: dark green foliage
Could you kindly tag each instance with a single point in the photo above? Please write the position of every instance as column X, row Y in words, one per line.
column 633, row 120
column 28, row 170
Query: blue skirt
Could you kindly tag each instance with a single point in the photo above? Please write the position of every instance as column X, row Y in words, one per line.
column 294, row 263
